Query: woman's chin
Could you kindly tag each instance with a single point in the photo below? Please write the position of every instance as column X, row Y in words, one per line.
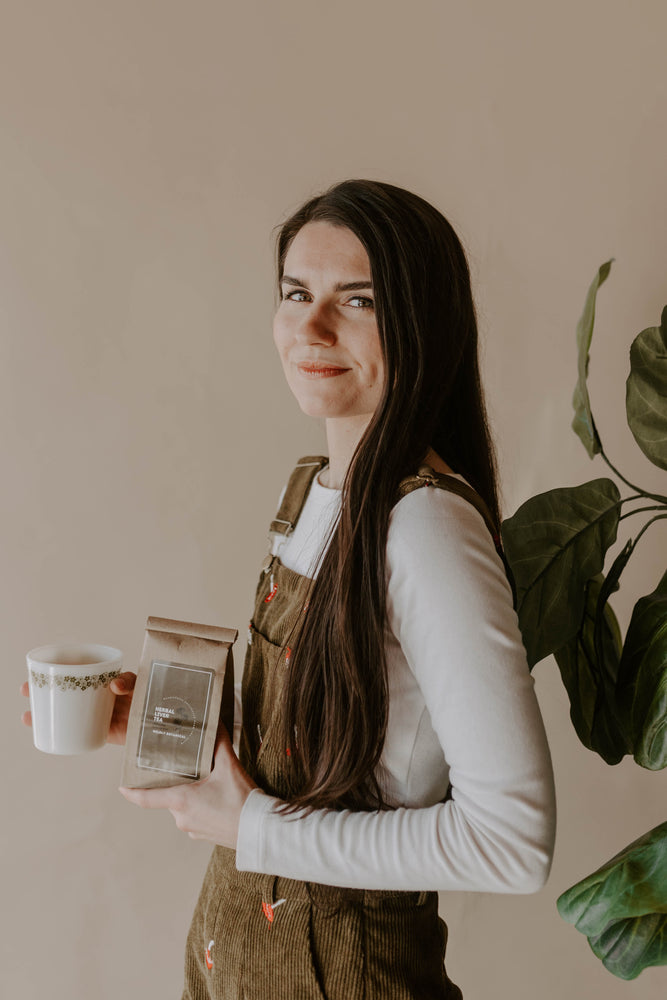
column 320, row 409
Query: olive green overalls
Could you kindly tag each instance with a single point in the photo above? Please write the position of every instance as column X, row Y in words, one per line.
column 263, row 937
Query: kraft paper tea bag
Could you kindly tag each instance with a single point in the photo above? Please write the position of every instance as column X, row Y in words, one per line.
column 185, row 684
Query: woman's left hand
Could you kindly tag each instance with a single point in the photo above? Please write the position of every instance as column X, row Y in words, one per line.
column 209, row 809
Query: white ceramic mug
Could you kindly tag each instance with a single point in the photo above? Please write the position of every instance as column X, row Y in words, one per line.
column 70, row 700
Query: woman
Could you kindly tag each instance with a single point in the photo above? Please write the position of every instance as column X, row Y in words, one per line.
column 391, row 744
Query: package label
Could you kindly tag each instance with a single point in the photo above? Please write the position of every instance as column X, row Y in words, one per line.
column 174, row 716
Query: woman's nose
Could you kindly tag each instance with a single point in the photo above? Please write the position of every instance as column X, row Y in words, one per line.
column 317, row 325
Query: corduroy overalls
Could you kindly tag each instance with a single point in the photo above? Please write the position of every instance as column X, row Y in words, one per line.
column 263, row 937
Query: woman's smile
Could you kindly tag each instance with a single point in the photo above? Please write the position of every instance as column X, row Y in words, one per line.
column 315, row 369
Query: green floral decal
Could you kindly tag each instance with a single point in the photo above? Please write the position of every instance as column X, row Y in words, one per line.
column 66, row 682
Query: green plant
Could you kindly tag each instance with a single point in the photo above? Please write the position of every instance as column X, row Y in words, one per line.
column 556, row 545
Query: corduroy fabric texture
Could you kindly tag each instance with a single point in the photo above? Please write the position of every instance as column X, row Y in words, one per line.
column 262, row 937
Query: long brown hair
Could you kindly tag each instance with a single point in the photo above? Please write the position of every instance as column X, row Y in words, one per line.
column 336, row 701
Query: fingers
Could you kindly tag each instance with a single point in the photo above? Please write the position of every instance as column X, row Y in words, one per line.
column 26, row 718
column 124, row 683
column 153, row 798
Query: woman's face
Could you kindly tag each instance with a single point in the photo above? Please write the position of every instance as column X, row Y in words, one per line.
column 325, row 327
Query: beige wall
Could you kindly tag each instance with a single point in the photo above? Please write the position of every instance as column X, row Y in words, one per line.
column 147, row 148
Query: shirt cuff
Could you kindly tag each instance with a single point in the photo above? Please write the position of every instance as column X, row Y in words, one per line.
column 251, row 827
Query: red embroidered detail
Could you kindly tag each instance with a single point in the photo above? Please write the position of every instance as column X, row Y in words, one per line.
column 268, row 909
column 272, row 593
column 305, row 607
column 288, row 653
column 207, row 955
column 288, row 751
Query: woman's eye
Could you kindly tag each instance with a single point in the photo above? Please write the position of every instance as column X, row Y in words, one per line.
column 356, row 301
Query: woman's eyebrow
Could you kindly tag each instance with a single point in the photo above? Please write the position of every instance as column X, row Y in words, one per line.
column 346, row 286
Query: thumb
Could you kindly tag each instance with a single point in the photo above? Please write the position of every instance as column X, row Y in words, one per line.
column 223, row 740
column 124, row 683
column 223, row 752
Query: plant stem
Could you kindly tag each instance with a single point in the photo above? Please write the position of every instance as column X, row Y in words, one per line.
column 651, row 496
column 633, row 541
column 658, row 517
column 641, row 510
column 611, row 582
column 635, row 496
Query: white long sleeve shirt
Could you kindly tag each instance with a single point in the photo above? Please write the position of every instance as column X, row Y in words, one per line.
column 462, row 710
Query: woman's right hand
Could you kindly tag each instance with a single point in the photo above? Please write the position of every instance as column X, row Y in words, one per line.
column 123, row 687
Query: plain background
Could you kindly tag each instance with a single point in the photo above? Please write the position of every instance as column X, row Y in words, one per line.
column 147, row 151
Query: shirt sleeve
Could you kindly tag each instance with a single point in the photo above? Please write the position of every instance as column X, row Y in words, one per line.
column 450, row 607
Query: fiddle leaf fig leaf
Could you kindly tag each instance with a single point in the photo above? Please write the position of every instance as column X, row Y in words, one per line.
column 555, row 543
column 628, row 947
column 589, row 677
column 622, row 907
column 646, row 392
column 642, row 679
column 583, row 423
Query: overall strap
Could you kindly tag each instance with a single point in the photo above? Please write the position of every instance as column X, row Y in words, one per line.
column 296, row 492
column 426, row 476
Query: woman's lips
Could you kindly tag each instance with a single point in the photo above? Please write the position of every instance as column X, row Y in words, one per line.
column 320, row 371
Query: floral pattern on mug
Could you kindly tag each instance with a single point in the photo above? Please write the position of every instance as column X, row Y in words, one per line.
column 67, row 682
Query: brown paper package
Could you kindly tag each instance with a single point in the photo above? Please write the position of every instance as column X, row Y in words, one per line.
column 184, row 687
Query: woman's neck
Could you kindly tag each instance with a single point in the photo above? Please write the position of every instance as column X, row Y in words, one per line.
column 343, row 436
